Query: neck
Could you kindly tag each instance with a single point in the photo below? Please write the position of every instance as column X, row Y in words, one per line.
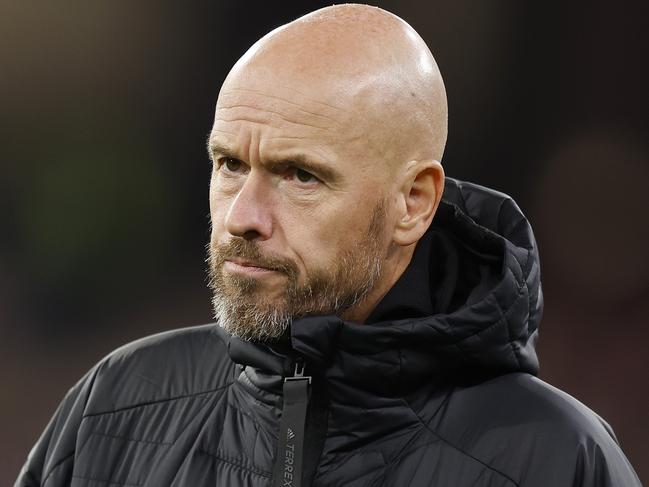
column 393, row 267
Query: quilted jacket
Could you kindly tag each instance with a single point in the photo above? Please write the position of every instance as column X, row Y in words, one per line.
column 437, row 388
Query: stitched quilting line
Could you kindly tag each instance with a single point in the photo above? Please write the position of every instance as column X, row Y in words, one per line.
column 159, row 401
column 323, row 471
column 127, row 484
column 521, row 294
column 238, row 464
column 497, row 323
column 128, row 439
column 135, row 440
column 57, row 465
column 235, row 408
column 455, row 447
column 90, row 377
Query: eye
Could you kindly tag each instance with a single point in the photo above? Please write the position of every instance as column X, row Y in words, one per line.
column 305, row 176
column 231, row 164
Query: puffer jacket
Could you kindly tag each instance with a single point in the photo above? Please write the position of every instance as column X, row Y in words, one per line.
column 438, row 388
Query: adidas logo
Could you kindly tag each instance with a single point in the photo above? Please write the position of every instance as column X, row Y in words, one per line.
column 289, row 434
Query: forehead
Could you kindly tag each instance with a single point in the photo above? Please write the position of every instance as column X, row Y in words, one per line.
column 278, row 117
column 279, row 111
column 304, row 102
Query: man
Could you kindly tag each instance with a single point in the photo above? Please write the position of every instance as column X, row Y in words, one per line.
column 376, row 320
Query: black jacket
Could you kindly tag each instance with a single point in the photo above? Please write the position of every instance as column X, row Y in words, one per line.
column 438, row 388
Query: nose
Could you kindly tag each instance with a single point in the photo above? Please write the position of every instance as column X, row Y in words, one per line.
column 249, row 215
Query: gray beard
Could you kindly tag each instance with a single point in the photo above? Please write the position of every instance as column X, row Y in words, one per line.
column 242, row 310
column 243, row 315
column 249, row 322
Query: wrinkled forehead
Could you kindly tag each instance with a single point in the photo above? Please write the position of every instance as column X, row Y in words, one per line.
column 298, row 109
column 288, row 101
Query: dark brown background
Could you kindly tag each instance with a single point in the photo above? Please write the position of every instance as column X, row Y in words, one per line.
column 104, row 111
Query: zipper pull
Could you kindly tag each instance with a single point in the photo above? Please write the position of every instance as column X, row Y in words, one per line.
column 290, row 451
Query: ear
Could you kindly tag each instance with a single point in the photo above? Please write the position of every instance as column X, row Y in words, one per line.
column 420, row 193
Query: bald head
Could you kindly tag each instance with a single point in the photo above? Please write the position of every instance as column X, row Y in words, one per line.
column 365, row 69
column 326, row 145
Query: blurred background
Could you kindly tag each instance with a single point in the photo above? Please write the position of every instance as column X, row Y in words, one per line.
column 104, row 112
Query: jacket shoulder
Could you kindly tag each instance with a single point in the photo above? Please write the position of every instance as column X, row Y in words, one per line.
column 172, row 364
column 162, row 367
column 520, row 398
column 534, row 433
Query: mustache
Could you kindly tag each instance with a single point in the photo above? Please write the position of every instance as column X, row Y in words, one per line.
column 241, row 248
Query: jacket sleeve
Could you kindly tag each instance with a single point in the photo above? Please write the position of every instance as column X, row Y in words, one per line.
column 50, row 462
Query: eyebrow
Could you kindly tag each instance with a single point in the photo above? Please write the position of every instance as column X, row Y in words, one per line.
column 214, row 148
column 300, row 161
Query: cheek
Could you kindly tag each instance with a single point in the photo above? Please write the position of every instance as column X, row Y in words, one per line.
column 319, row 238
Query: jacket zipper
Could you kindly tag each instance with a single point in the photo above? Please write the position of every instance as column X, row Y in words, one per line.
column 290, row 452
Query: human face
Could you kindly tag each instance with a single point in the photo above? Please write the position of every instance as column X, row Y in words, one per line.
column 297, row 220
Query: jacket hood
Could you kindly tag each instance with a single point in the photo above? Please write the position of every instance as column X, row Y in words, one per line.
column 484, row 300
